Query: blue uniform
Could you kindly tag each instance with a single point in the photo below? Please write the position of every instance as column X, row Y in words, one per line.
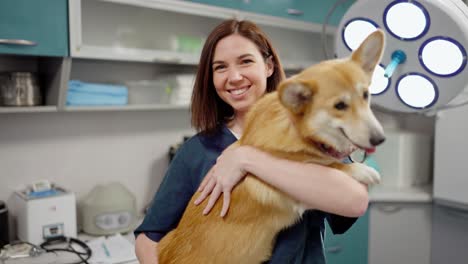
column 301, row 243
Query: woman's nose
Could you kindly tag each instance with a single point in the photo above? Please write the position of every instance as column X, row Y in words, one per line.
column 235, row 75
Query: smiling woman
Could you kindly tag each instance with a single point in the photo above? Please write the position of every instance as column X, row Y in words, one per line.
column 238, row 56
column 238, row 66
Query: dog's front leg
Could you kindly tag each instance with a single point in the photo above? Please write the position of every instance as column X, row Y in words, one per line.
column 360, row 172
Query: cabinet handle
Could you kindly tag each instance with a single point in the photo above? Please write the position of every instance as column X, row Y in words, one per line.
column 295, row 12
column 456, row 212
column 389, row 208
column 334, row 250
column 20, row 42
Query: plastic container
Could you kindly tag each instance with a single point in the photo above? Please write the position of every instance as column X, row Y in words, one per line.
column 182, row 87
column 149, row 92
column 188, row 44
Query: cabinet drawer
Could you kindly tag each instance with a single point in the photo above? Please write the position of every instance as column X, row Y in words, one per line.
column 43, row 23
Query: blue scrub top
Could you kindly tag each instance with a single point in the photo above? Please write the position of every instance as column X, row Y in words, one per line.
column 301, row 243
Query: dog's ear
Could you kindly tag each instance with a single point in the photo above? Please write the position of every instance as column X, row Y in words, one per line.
column 370, row 51
column 296, row 94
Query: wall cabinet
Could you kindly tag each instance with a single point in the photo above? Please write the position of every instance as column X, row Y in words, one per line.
column 152, row 31
column 234, row 4
column 350, row 247
column 300, row 10
column 400, row 233
column 170, row 34
column 171, row 31
column 34, row 27
column 164, row 35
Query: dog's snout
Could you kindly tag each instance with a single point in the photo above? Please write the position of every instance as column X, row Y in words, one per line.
column 377, row 140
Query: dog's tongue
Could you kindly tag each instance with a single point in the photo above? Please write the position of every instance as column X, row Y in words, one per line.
column 370, row 150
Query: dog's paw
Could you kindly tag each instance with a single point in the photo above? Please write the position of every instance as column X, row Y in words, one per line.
column 364, row 173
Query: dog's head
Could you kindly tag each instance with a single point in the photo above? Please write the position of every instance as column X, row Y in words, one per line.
column 330, row 102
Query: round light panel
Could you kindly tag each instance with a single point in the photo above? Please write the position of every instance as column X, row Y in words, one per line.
column 416, row 90
column 434, row 36
column 356, row 31
column 379, row 83
column 399, row 13
column 443, row 56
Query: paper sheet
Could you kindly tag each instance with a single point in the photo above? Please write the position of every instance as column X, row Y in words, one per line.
column 111, row 250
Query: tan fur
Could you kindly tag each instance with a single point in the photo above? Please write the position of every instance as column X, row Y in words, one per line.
column 286, row 124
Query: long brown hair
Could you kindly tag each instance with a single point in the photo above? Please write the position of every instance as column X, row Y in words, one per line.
column 208, row 109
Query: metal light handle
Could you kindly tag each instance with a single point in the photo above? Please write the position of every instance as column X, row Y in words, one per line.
column 19, row 42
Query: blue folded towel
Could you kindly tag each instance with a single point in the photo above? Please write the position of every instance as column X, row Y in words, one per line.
column 81, row 93
column 74, row 98
column 94, row 88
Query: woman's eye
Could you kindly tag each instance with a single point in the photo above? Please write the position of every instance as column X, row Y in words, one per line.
column 219, row 67
column 247, row 61
column 341, row 106
column 366, row 95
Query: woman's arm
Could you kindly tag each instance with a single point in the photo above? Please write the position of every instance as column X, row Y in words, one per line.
column 146, row 250
column 316, row 186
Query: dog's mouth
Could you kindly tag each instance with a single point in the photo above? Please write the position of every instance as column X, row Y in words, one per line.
column 367, row 150
column 340, row 155
column 331, row 151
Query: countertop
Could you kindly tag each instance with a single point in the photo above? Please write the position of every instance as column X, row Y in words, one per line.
column 381, row 193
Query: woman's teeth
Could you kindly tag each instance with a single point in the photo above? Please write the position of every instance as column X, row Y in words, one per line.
column 239, row 91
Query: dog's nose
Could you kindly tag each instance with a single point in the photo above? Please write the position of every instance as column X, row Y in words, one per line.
column 377, row 140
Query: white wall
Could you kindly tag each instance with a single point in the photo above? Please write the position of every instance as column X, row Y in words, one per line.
column 78, row 150
column 81, row 149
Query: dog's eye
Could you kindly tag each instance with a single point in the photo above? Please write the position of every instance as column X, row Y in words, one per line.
column 366, row 95
column 341, row 106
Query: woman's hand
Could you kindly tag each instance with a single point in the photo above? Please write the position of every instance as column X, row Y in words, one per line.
column 223, row 177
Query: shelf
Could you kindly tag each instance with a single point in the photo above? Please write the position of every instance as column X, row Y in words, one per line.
column 138, row 55
column 125, row 108
column 27, row 109
column 178, row 58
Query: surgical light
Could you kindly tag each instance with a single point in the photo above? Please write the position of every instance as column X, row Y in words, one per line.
column 424, row 64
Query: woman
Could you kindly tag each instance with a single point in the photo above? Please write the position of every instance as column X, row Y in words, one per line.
column 237, row 66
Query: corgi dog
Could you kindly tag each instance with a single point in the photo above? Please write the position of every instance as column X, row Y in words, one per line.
column 320, row 115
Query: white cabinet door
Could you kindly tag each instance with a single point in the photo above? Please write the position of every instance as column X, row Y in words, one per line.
column 400, row 233
column 449, row 235
column 450, row 162
column 145, row 31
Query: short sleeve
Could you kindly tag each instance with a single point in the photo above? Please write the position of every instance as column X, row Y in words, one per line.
column 170, row 201
column 340, row 224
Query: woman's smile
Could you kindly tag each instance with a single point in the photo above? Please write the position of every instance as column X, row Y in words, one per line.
column 238, row 93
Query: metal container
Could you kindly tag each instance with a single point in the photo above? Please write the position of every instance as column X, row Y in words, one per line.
column 19, row 89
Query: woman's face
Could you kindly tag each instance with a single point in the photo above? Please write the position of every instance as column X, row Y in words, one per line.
column 240, row 72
